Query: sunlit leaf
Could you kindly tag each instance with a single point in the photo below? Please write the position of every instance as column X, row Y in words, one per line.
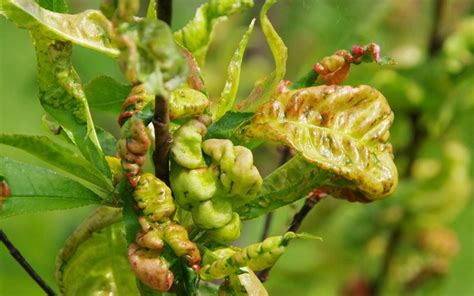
column 36, row 189
column 187, row 102
column 341, row 130
column 265, row 87
column 197, row 34
column 231, row 86
column 60, row 157
column 89, row 28
column 94, row 258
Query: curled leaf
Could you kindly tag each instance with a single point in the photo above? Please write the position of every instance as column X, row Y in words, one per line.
column 89, row 28
column 197, row 34
column 187, row 102
column 342, row 130
column 231, row 86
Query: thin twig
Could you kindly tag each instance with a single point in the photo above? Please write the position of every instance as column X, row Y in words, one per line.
column 309, row 203
column 285, row 155
column 161, row 116
column 436, row 38
column 26, row 266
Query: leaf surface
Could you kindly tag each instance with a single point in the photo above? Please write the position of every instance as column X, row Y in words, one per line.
column 197, row 34
column 342, row 130
column 36, row 189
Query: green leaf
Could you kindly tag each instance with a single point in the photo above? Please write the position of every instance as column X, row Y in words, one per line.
column 94, row 259
column 107, row 141
column 290, row 182
column 342, row 130
column 231, row 87
column 106, row 94
column 265, row 87
column 187, row 102
column 62, row 96
column 60, row 157
column 54, row 5
column 197, row 34
column 89, row 28
column 149, row 55
column 151, row 10
column 228, row 125
column 36, row 189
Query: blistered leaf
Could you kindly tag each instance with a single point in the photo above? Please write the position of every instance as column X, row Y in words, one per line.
column 89, row 28
column 60, row 157
column 62, row 96
column 341, row 130
column 106, row 94
column 265, row 87
column 187, row 102
column 231, row 86
column 94, row 259
column 197, row 34
column 150, row 56
column 36, row 189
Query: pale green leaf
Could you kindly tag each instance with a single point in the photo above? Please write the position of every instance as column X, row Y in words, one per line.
column 151, row 10
column 342, row 130
column 36, row 189
column 63, row 97
column 187, row 102
column 89, row 28
column 266, row 87
column 94, row 259
column 231, row 86
column 106, row 94
column 197, row 34
column 60, row 157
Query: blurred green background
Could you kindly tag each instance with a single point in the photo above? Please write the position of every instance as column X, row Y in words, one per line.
column 433, row 100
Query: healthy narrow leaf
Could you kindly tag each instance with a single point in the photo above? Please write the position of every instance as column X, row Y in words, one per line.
column 60, row 157
column 228, row 125
column 151, row 10
column 89, row 28
column 342, row 130
column 94, row 259
column 36, row 189
column 197, row 34
column 62, row 96
column 265, row 87
column 231, row 87
column 106, row 94
column 107, row 141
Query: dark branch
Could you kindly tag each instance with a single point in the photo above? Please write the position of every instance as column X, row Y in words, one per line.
column 285, row 153
column 436, row 38
column 164, row 10
column 313, row 199
column 161, row 120
column 26, row 266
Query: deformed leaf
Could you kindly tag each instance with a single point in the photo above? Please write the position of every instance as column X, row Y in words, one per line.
column 197, row 34
column 187, row 102
column 342, row 130
column 94, row 259
column 60, row 157
column 89, row 28
column 231, row 86
column 265, row 87
column 106, row 94
column 36, row 189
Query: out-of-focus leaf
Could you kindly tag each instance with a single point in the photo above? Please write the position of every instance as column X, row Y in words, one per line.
column 197, row 34
column 228, row 125
column 459, row 46
column 343, row 130
column 149, row 55
column 94, row 259
column 290, row 182
column 54, row 5
column 187, row 102
column 60, row 157
column 151, row 10
column 89, row 28
column 265, row 87
column 106, row 94
column 231, row 86
column 62, row 96
column 36, row 189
